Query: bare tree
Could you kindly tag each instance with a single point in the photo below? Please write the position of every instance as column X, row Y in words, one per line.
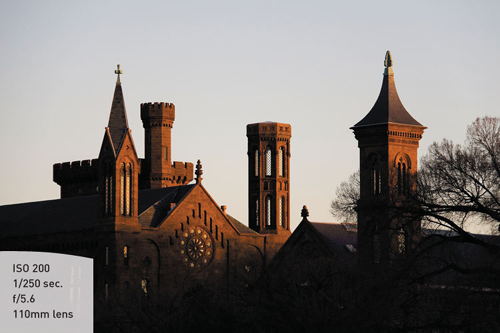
column 458, row 183
column 343, row 207
column 455, row 184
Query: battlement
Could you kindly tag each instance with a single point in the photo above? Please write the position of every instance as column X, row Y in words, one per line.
column 157, row 110
column 182, row 173
column 86, row 170
column 270, row 130
column 182, row 165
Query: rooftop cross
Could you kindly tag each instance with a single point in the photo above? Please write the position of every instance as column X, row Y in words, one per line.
column 118, row 71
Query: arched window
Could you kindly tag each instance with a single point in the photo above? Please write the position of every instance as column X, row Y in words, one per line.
column 128, row 189
column 269, row 161
column 122, row 189
column 401, row 241
column 281, row 159
column 256, row 162
column 268, row 211
column 403, row 182
column 375, row 174
column 403, row 165
column 257, row 212
column 108, row 189
column 125, row 188
column 282, row 211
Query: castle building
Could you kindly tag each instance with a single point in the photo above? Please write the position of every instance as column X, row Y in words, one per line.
column 156, row 234
column 152, row 232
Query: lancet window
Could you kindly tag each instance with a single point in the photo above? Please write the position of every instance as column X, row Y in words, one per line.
column 125, row 188
column 375, row 177
column 282, row 212
column 268, row 211
column 269, row 161
column 403, row 182
column 257, row 212
column 256, row 163
column 401, row 241
column 281, row 160
column 108, row 189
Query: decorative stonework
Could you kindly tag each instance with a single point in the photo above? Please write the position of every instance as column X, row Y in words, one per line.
column 197, row 247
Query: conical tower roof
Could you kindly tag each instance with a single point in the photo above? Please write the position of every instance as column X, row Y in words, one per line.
column 118, row 123
column 388, row 107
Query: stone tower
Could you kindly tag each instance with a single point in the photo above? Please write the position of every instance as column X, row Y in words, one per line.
column 157, row 120
column 269, row 177
column 388, row 138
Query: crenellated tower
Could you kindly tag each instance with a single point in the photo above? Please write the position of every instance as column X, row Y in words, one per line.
column 388, row 139
column 269, row 178
column 157, row 169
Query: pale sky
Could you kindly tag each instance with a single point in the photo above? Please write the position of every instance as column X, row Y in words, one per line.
column 316, row 65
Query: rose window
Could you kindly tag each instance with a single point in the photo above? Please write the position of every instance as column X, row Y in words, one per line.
column 196, row 247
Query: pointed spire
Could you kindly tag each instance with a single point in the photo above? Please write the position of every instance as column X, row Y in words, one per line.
column 118, row 123
column 388, row 107
column 198, row 172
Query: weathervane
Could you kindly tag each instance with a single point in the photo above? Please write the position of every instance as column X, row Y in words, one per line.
column 118, row 71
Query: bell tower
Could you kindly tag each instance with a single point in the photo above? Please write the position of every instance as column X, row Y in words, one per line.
column 269, row 177
column 388, row 139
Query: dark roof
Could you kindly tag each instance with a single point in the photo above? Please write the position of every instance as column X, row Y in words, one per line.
column 388, row 108
column 48, row 216
column 69, row 214
column 159, row 203
column 118, row 123
column 339, row 236
column 242, row 229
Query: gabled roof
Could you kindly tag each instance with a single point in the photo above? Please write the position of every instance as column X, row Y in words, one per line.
column 166, row 199
column 330, row 240
column 388, row 107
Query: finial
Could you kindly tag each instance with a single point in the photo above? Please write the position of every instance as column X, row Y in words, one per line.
column 118, row 71
column 305, row 212
column 388, row 63
column 198, row 172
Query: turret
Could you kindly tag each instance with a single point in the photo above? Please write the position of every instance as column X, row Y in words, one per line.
column 157, row 168
column 269, row 177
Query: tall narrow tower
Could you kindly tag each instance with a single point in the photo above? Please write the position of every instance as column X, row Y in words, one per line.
column 269, row 177
column 388, row 138
column 157, row 120
column 119, row 170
